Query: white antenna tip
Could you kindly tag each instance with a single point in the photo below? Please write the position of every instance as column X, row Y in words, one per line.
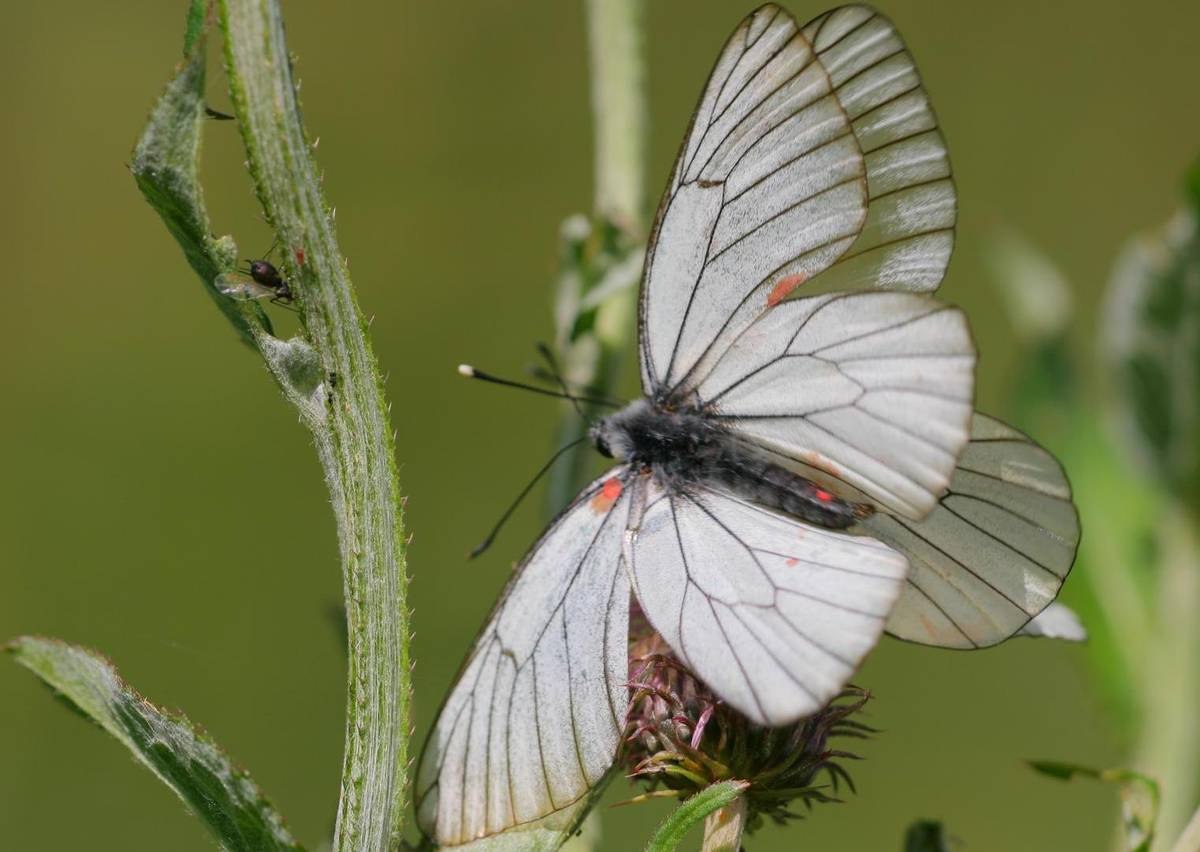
column 466, row 370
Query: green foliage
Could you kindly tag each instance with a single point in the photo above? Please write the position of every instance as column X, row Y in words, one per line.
column 353, row 439
column 349, row 420
column 196, row 22
column 693, row 812
column 165, row 165
column 1139, row 797
column 169, row 745
column 926, row 835
column 1153, row 349
column 1137, row 488
column 599, row 266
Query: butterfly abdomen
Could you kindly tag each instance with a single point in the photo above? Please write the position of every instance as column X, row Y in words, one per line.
column 683, row 448
column 751, row 476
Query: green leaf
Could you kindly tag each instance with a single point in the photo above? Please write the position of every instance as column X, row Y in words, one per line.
column 170, row 746
column 1139, row 797
column 693, row 812
column 926, row 835
column 165, row 166
column 1151, row 335
column 196, row 22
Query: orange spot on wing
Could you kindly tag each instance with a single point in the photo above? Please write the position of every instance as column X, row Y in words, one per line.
column 783, row 288
column 607, row 495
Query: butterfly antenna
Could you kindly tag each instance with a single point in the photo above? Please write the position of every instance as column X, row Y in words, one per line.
column 552, row 363
column 537, row 371
column 487, row 542
column 471, row 373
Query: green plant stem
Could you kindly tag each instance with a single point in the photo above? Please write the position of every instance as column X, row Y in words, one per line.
column 706, row 807
column 723, row 828
column 349, row 419
column 618, row 107
column 1169, row 740
column 616, row 59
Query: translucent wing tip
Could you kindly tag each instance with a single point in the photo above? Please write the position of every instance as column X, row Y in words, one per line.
column 236, row 285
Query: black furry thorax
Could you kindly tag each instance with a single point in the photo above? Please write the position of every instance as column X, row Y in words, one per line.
column 682, row 447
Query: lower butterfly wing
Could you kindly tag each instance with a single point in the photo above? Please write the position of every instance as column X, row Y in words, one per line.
column 996, row 550
column 774, row 615
column 872, row 389
column 534, row 721
column 1056, row 621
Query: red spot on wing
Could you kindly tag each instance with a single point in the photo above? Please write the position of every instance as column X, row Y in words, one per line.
column 823, row 495
column 783, row 288
column 607, row 495
column 300, row 255
column 792, row 562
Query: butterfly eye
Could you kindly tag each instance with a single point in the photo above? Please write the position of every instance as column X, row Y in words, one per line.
column 596, row 435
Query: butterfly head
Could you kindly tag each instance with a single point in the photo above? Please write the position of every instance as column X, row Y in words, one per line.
column 599, row 433
column 614, row 437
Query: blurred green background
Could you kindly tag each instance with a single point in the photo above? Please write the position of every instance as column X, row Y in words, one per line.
column 161, row 503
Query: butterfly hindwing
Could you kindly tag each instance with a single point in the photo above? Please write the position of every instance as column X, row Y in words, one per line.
column 996, row 550
column 534, row 720
column 1056, row 621
column 773, row 614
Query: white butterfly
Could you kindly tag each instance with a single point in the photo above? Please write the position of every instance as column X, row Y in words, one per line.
column 802, row 474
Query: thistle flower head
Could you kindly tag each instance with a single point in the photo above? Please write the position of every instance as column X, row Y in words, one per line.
column 680, row 738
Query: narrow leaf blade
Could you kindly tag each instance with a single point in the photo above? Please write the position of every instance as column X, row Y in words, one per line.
column 165, row 166
column 169, row 745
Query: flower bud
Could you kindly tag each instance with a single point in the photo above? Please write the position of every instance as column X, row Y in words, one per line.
column 680, row 738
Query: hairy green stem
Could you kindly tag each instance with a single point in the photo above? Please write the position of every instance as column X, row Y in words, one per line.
column 348, row 416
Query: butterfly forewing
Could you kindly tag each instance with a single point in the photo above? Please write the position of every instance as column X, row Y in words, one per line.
column 908, row 236
column 809, row 145
column 775, row 615
column 996, row 550
column 534, row 720
column 874, row 389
